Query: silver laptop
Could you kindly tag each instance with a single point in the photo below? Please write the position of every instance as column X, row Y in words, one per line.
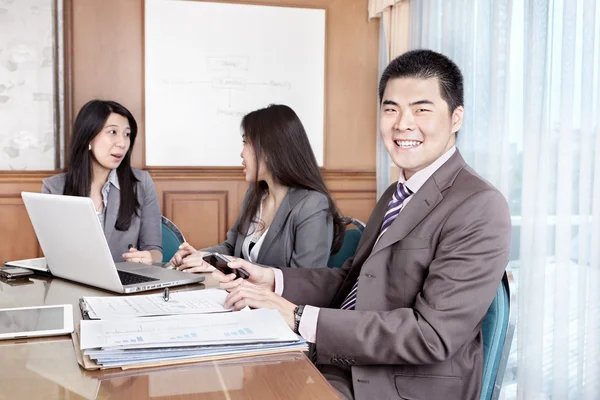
column 75, row 247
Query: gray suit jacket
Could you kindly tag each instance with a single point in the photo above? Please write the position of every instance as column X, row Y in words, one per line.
column 145, row 231
column 300, row 235
column 423, row 291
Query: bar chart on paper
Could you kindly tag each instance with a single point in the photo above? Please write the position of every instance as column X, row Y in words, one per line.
column 191, row 336
column 177, row 333
column 138, row 339
column 240, row 332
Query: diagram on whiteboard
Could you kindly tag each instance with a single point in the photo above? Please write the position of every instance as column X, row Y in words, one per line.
column 227, row 71
column 201, row 79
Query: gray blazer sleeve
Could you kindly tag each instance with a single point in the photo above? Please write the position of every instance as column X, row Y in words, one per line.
column 45, row 188
column 150, row 225
column 54, row 184
column 314, row 234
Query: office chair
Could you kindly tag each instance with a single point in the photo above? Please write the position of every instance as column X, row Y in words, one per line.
column 171, row 238
column 497, row 330
column 351, row 239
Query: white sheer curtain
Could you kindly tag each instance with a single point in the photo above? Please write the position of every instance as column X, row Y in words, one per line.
column 393, row 41
column 532, row 128
column 383, row 158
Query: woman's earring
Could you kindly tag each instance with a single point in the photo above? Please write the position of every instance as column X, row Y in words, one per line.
column 90, row 146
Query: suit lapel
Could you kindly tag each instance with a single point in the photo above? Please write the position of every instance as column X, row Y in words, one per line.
column 112, row 212
column 290, row 200
column 365, row 245
column 423, row 202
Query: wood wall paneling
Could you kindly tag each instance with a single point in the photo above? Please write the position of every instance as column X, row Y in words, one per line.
column 351, row 87
column 18, row 238
column 355, row 204
column 107, row 58
column 199, row 181
column 201, row 216
column 204, row 205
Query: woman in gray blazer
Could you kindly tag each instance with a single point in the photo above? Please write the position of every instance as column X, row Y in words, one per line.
column 100, row 168
column 288, row 218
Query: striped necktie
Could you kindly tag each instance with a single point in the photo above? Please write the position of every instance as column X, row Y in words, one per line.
column 393, row 209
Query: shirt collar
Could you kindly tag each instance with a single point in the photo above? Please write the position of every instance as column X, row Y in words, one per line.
column 419, row 178
column 113, row 179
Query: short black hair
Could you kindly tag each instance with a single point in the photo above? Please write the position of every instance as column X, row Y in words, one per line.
column 425, row 64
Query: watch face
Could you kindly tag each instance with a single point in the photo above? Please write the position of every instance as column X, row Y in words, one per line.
column 297, row 315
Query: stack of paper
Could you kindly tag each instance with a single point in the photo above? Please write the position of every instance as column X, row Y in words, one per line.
column 120, row 342
column 189, row 302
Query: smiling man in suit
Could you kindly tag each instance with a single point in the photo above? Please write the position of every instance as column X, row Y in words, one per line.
column 402, row 318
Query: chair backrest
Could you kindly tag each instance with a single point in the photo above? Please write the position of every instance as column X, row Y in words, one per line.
column 351, row 239
column 171, row 238
column 497, row 330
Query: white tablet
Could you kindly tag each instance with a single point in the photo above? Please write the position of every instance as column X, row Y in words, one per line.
column 27, row 322
column 34, row 264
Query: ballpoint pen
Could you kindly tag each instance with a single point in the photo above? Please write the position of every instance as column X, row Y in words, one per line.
column 166, row 294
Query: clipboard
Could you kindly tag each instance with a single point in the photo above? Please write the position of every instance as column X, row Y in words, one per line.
column 86, row 312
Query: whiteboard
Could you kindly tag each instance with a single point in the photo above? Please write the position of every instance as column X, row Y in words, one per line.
column 208, row 64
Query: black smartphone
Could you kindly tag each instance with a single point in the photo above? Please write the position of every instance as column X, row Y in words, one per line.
column 220, row 263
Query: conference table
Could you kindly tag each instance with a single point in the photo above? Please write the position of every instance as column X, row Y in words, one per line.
column 46, row 368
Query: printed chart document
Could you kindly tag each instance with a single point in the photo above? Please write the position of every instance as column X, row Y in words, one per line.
column 122, row 342
column 188, row 302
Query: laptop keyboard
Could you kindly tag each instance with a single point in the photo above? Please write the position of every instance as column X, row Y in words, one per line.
column 127, row 278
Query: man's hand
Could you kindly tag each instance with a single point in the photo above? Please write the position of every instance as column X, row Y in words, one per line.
column 247, row 294
column 259, row 276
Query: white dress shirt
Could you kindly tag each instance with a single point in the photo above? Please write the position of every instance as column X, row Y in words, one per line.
column 252, row 254
column 113, row 180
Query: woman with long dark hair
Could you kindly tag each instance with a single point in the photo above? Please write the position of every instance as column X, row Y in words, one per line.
column 100, row 168
column 288, row 218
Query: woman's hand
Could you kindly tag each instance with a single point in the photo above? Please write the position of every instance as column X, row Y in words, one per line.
column 195, row 263
column 185, row 249
column 134, row 255
column 258, row 276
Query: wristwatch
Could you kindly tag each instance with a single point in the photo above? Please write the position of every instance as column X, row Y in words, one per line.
column 297, row 316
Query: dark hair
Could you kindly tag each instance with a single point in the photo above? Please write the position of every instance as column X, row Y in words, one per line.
column 89, row 122
column 277, row 132
column 425, row 64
